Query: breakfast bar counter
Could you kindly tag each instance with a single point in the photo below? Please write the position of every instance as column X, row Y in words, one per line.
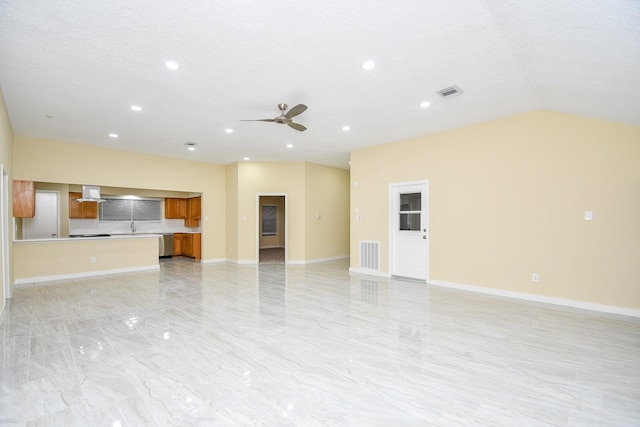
column 43, row 260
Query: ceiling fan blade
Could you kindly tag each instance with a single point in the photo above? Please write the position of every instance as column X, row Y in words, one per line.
column 259, row 120
column 297, row 126
column 298, row 109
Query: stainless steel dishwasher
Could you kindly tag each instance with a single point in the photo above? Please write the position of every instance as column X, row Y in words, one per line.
column 166, row 245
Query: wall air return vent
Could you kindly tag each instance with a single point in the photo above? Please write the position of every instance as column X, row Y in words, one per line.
column 450, row 91
column 369, row 255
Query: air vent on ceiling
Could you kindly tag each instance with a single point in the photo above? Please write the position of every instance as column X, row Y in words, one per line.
column 449, row 91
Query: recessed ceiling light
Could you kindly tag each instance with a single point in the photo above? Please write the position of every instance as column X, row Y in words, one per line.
column 228, row 130
column 136, row 108
column 172, row 65
column 425, row 104
column 368, row 65
column 289, row 145
column 113, row 135
column 191, row 146
column 246, row 158
column 346, row 128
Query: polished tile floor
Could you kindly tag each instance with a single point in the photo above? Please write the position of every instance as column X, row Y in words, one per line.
column 276, row 345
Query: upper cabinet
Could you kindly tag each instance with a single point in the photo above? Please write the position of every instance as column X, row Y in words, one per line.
column 194, row 208
column 175, row 208
column 82, row 210
column 24, row 199
column 187, row 209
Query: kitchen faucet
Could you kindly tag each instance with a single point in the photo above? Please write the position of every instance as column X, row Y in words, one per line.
column 133, row 227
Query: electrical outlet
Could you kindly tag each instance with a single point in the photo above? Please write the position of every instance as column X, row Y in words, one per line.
column 535, row 277
column 93, row 259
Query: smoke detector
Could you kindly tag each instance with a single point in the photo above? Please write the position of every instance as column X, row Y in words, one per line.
column 450, row 91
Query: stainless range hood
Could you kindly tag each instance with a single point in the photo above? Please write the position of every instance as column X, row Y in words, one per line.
column 91, row 193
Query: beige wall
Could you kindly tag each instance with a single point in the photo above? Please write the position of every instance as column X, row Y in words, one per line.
column 309, row 189
column 507, row 199
column 270, row 178
column 231, row 209
column 6, row 156
column 327, row 192
column 73, row 257
column 61, row 162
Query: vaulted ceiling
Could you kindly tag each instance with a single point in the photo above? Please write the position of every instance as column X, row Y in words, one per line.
column 71, row 70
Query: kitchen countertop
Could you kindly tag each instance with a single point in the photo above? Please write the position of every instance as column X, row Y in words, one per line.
column 79, row 239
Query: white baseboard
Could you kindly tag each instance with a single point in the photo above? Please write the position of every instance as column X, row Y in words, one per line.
column 289, row 262
column 32, row 281
column 212, row 261
column 368, row 272
column 612, row 309
column 242, row 261
column 317, row 260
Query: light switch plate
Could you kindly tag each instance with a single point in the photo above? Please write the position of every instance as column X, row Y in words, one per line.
column 588, row 215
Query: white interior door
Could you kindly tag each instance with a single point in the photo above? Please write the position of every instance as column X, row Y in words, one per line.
column 409, row 230
column 44, row 225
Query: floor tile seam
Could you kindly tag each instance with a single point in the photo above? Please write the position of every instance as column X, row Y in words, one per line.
column 491, row 394
column 506, row 403
column 120, row 353
column 70, row 365
column 124, row 414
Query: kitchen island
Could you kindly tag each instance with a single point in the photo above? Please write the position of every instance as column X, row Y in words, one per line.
column 43, row 260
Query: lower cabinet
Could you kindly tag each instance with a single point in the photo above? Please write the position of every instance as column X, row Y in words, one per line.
column 187, row 244
column 177, row 244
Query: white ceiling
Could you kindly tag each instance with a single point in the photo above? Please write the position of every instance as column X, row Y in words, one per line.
column 86, row 62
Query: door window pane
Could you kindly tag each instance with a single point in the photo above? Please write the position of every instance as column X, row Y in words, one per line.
column 410, row 221
column 411, row 202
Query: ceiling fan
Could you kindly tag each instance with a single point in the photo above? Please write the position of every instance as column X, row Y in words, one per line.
column 286, row 118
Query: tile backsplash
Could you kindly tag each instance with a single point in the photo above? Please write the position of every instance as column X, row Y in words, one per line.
column 95, row 226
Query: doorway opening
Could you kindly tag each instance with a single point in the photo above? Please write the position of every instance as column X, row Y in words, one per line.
column 272, row 229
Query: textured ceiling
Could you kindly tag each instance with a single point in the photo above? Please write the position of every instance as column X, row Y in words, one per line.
column 86, row 62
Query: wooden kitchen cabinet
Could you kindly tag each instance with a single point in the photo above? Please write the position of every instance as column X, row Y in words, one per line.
column 197, row 245
column 175, row 208
column 84, row 210
column 24, row 199
column 177, row 244
column 187, row 244
column 194, row 208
